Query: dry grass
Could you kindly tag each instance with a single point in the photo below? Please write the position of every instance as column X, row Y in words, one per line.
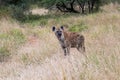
column 41, row 58
column 39, row 11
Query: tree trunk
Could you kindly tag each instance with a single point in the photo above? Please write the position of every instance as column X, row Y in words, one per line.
column 89, row 7
column 63, row 8
column 83, row 8
column 92, row 5
column 82, row 4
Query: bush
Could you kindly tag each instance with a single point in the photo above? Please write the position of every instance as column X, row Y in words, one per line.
column 18, row 36
column 4, row 36
column 17, row 8
column 10, row 41
column 4, row 12
column 17, row 13
column 4, row 53
column 78, row 28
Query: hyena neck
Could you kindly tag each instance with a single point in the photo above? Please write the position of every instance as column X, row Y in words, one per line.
column 65, row 33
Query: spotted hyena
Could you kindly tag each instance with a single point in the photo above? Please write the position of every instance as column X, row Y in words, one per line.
column 69, row 40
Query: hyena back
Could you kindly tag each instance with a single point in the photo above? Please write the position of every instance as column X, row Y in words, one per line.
column 69, row 40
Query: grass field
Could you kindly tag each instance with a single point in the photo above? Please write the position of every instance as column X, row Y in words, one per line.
column 30, row 51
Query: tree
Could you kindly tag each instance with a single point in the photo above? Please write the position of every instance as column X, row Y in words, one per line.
column 17, row 8
column 70, row 5
column 67, row 6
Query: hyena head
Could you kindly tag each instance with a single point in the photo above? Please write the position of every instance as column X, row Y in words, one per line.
column 58, row 32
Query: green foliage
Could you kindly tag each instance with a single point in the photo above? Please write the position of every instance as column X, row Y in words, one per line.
column 18, row 36
column 4, row 11
column 38, row 20
column 14, row 35
column 4, row 36
column 19, row 8
column 46, row 2
column 17, row 13
column 78, row 28
column 10, row 41
column 43, row 22
column 4, row 53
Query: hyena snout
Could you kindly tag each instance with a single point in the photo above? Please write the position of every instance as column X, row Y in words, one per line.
column 59, row 33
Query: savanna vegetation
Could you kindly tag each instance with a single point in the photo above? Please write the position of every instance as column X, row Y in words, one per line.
column 29, row 49
column 20, row 9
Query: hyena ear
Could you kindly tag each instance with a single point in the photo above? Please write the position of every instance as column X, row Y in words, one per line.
column 53, row 28
column 62, row 27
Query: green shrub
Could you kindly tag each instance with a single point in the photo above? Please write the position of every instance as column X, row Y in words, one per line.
column 78, row 28
column 34, row 20
column 4, row 53
column 18, row 36
column 4, row 36
column 43, row 22
column 10, row 41
column 4, row 12
column 18, row 13
column 15, row 35
column 15, row 8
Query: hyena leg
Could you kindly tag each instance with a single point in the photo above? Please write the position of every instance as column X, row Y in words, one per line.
column 81, row 48
column 65, row 50
column 68, row 50
column 78, row 48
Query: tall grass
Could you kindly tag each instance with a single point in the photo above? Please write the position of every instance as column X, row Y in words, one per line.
column 41, row 58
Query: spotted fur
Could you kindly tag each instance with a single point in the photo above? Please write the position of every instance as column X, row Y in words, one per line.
column 69, row 40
